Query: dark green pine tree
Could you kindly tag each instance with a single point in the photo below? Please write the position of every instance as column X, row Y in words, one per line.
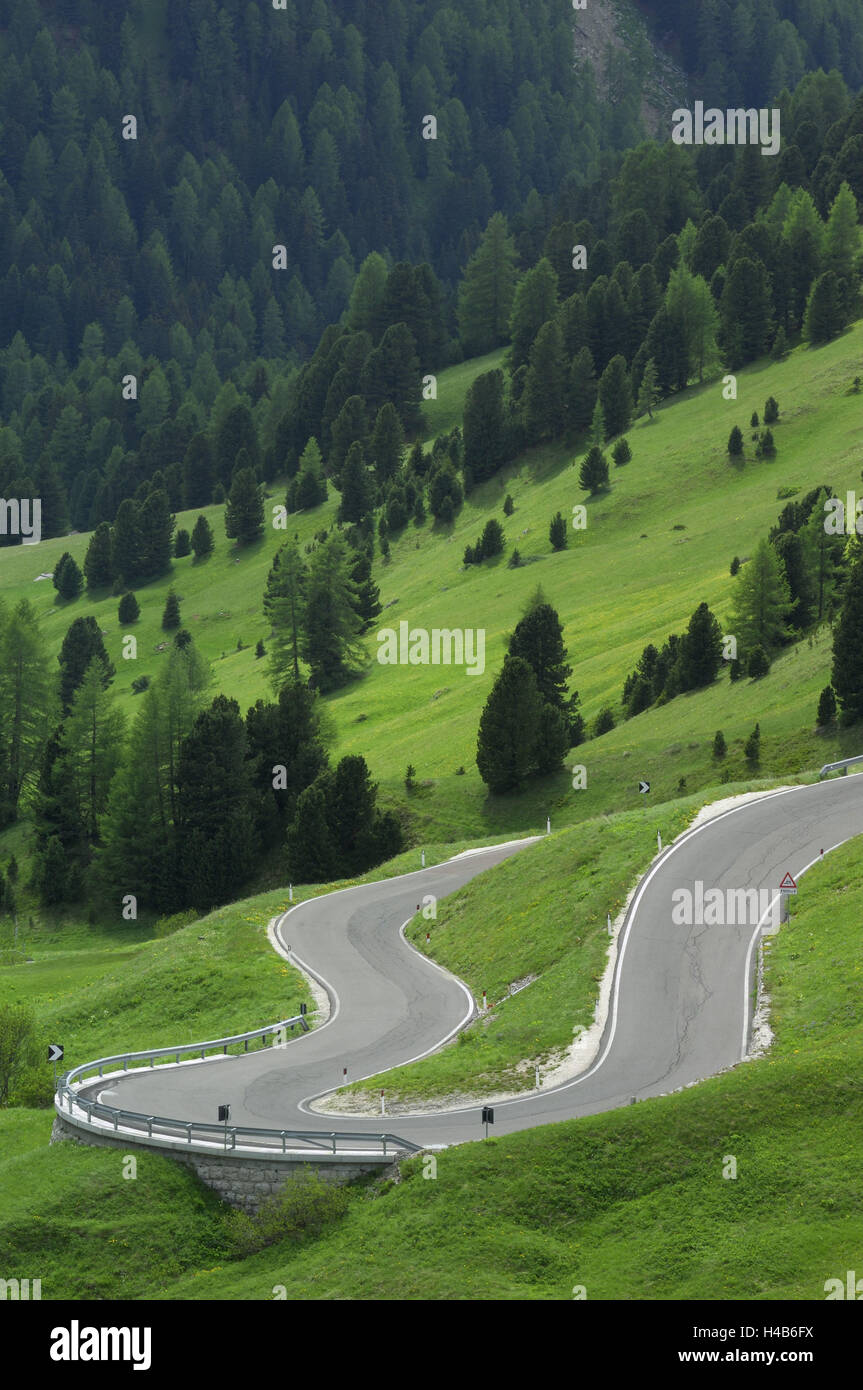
column 824, row 317
column 350, row 425
column 128, row 610
column 309, row 849
column 352, row 815
column 368, row 593
column 700, row 655
column 557, row 532
column 593, row 475
column 552, row 740
column 358, row 487
column 615, row 393
column 68, row 579
column 545, row 388
column 484, row 426
column 538, row 640
column 392, row 373
column 509, row 728
column 171, row 614
column 237, row 431
column 286, row 756
column 82, row 643
column 55, row 504
column 99, row 560
column 330, row 639
column 492, row 540
column 847, row 679
column 582, row 391
column 198, row 473
column 156, row 524
column 745, row 313
column 182, row 544
column 244, row 509
column 213, row 832
column 387, row 444
column 126, row 539
column 202, row 538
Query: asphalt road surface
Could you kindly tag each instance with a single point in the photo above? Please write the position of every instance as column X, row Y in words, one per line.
column 681, row 1002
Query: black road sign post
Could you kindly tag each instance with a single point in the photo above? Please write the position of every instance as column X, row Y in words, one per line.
column 225, row 1114
column 487, row 1117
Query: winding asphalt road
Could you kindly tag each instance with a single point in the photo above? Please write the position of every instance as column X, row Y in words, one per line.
column 681, row 1001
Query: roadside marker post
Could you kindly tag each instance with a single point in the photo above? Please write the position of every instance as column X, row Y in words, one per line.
column 55, row 1055
column 383, row 1104
column 487, row 1117
column 484, row 1001
column 786, row 888
column 608, row 919
column 424, row 858
column 290, row 892
column 225, row 1114
column 548, row 825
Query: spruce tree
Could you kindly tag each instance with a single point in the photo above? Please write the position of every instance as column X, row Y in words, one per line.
column 719, row 746
column 310, row 856
column 182, row 544
column 156, row 525
column 202, row 538
column 213, row 832
column 98, row 562
column 735, row 443
column 544, row 396
column 358, row 488
column 615, row 394
column 826, row 708
column 824, row 318
column 557, row 532
column 538, row 640
column 582, row 391
column 492, row 540
column 171, row 614
column 330, row 638
column 128, row 610
column 68, row 579
column 593, row 475
column 509, row 728
column 700, row 655
column 82, row 643
column 387, row 444
column 244, row 510
column 485, row 446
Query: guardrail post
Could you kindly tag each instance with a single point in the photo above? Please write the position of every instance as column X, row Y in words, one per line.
column 333, row 1137
column 151, row 1061
column 116, row 1118
column 384, row 1140
column 150, row 1119
column 284, row 1141
column 188, row 1134
column 245, row 1044
column 125, row 1063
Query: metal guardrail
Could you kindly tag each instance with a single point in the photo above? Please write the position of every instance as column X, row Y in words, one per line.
column 171, row 1128
column 843, row 766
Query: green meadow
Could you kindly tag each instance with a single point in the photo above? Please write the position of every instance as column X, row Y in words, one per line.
column 655, row 545
column 633, row 1204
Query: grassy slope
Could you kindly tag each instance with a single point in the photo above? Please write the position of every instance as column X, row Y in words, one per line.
column 630, row 578
column 632, row 1204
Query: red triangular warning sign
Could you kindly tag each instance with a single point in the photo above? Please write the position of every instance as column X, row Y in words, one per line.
column 788, row 884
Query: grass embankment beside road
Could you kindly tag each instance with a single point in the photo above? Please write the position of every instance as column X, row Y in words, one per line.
column 629, row 1205
column 633, row 1204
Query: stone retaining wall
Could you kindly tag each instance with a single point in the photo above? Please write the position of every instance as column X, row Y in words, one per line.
column 242, row 1181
